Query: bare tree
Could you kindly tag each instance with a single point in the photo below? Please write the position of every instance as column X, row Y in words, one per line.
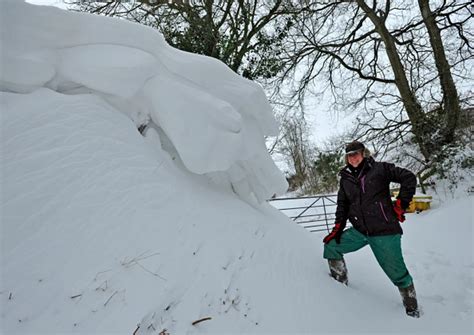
column 295, row 146
column 393, row 60
column 247, row 35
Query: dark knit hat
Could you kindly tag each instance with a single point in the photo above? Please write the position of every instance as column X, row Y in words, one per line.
column 354, row 147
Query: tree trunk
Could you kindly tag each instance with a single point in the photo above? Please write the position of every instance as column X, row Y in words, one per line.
column 421, row 127
column 452, row 109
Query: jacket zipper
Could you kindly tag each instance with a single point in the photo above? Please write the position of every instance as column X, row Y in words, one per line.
column 357, row 182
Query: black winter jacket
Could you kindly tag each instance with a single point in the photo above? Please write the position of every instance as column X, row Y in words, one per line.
column 365, row 199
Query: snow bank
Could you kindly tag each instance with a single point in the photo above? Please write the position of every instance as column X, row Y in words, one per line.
column 104, row 230
column 216, row 121
column 102, row 233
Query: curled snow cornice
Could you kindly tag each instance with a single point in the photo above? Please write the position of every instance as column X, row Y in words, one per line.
column 214, row 118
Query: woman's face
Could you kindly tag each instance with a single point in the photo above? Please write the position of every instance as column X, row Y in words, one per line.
column 354, row 159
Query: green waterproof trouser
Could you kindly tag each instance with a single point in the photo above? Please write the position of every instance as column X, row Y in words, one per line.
column 387, row 250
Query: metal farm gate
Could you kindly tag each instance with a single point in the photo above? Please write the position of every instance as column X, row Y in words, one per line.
column 315, row 213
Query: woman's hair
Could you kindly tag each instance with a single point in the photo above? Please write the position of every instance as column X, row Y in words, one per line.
column 366, row 153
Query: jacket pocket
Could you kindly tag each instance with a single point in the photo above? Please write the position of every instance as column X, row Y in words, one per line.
column 382, row 210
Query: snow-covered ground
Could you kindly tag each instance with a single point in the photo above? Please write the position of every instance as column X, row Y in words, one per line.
column 104, row 230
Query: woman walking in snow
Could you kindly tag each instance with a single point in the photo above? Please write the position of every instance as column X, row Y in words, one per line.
column 364, row 199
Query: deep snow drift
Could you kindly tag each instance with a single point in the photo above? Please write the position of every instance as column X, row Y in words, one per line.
column 104, row 230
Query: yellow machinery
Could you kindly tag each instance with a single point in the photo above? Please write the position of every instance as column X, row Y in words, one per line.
column 419, row 203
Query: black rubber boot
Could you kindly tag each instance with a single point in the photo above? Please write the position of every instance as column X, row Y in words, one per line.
column 338, row 270
column 409, row 301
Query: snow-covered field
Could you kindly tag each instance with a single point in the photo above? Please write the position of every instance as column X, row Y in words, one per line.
column 104, row 230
